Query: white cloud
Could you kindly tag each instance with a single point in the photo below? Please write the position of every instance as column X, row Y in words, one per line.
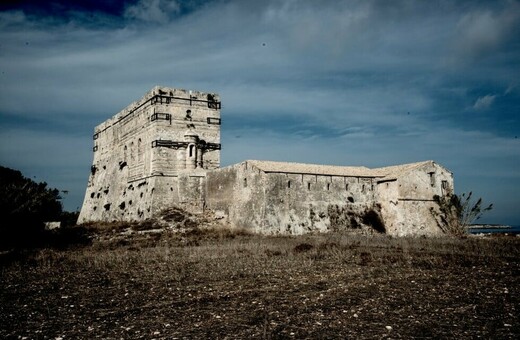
column 510, row 89
column 156, row 11
column 483, row 30
column 484, row 102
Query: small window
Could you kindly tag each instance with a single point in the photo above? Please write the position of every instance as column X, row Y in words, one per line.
column 245, row 182
column 289, row 184
column 346, row 186
column 308, row 185
column 363, row 188
column 215, row 121
column 212, row 102
column 160, row 116
column 328, row 186
column 432, row 179
column 445, row 188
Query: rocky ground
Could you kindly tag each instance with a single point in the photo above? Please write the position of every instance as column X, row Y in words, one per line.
column 176, row 280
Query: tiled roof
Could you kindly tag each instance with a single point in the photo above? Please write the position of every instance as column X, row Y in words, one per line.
column 314, row 169
column 397, row 170
column 333, row 170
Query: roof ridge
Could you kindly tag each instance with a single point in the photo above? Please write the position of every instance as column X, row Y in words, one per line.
column 300, row 163
column 312, row 169
column 399, row 168
column 335, row 170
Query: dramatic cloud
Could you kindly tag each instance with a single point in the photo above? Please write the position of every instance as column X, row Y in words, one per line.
column 484, row 30
column 339, row 82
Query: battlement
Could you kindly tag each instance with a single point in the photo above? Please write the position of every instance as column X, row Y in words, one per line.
column 159, row 96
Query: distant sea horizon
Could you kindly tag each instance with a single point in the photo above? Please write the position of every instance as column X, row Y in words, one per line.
column 495, row 229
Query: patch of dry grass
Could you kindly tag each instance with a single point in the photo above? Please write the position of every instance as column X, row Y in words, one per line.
column 222, row 283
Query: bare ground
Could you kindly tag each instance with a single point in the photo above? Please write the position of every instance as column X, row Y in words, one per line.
column 229, row 285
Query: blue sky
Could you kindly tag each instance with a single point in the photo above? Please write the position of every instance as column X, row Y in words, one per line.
column 372, row 83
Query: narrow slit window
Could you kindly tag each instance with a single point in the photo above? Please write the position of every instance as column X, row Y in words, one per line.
column 308, row 185
column 445, row 188
column 289, row 184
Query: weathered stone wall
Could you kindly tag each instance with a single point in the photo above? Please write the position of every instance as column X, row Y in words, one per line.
column 141, row 152
column 293, row 203
column 237, row 192
column 285, row 203
column 407, row 200
column 301, row 203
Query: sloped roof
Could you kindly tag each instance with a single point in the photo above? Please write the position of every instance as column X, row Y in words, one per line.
column 388, row 172
column 314, row 169
column 397, row 170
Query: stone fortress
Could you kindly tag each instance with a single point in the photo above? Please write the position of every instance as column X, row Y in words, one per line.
column 164, row 150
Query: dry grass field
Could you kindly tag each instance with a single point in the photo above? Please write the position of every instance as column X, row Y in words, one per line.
column 225, row 284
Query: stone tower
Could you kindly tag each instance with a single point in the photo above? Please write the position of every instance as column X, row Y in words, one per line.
column 152, row 155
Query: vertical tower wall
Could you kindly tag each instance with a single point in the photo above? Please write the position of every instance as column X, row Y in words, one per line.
column 140, row 153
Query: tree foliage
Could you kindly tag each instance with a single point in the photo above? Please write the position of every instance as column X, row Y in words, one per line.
column 457, row 212
column 25, row 205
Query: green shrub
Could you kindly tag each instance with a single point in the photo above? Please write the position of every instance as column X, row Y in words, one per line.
column 24, row 206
